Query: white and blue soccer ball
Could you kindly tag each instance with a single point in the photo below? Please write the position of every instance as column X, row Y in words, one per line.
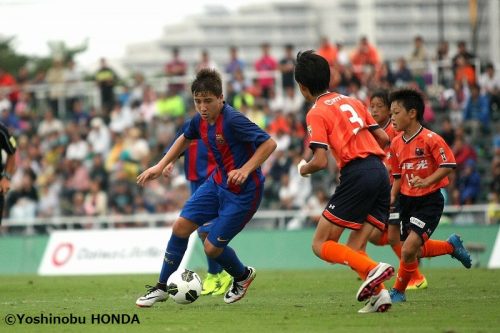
column 184, row 286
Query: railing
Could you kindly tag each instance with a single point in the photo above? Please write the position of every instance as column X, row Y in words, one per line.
column 264, row 219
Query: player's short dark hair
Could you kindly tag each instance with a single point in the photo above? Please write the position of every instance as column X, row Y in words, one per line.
column 207, row 81
column 383, row 95
column 313, row 72
column 409, row 99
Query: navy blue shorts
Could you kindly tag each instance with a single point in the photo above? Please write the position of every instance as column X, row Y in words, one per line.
column 421, row 214
column 362, row 195
column 227, row 212
column 394, row 218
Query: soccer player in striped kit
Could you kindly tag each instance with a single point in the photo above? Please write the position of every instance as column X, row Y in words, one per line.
column 199, row 163
column 230, row 196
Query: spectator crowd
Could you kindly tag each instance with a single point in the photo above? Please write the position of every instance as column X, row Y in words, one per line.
column 79, row 158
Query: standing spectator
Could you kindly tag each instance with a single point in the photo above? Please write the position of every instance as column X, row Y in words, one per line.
column 363, row 57
column 9, row 85
column 175, row 70
column 287, row 66
column 265, row 66
column 56, row 79
column 73, row 80
column 205, row 62
column 106, row 79
column 418, row 61
column 328, row 51
column 235, row 63
column 445, row 74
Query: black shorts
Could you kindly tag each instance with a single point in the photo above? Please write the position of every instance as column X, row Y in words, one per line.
column 394, row 213
column 362, row 195
column 421, row 214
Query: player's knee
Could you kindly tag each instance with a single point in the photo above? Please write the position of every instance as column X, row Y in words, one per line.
column 183, row 228
column 316, row 248
column 202, row 235
column 212, row 251
column 408, row 255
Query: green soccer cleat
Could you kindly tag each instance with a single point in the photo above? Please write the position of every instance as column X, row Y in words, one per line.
column 210, row 284
column 223, row 283
column 417, row 284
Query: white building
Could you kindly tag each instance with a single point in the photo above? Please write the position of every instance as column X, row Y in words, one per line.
column 390, row 24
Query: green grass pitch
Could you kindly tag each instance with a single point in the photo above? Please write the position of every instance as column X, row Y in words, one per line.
column 457, row 300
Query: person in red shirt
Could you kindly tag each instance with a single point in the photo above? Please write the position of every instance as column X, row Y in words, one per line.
column 344, row 126
column 266, row 66
column 420, row 162
column 381, row 112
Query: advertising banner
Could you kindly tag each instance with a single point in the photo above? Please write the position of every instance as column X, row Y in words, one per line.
column 111, row 251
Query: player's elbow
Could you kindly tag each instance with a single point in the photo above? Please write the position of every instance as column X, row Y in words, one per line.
column 272, row 144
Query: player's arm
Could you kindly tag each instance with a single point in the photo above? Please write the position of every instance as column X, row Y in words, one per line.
column 318, row 162
column 396, row 186
column 179, row 146
column 434, row 178
column 239, row 176
column 382, row 138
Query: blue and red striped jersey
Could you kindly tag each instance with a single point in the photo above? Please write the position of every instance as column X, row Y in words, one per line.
column 232, row 140
column 199, row 162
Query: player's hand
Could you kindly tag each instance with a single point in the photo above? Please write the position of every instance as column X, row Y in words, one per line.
column 149, row 174
column 416, row 181
column 167, row 171
column 236, row 177
column 4, row 185
column 299, row 166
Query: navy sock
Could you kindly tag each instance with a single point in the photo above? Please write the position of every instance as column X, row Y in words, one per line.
column 213, row 266
column 173, row 256
column 230, row 262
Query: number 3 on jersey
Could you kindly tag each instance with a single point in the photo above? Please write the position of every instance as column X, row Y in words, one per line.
column 354, row 119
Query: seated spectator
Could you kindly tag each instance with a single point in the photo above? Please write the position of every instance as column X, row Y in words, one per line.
column 402, row 75
column 469, row 185
column 464, row 71
column 476, row 112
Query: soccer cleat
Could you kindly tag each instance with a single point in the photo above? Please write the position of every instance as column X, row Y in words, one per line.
column 376, row 276
column 417, row 284
column 239, row 289
column 153, row 295
column 459, row 251
column 210, row 284
column 223, row 283
column 377, row 303
column 397, row 296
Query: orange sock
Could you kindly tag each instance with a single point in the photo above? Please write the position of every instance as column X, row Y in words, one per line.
column 405, row 273
column 434, row 248
column 380, row 286
column 384, row 238
column 417, row 275
column 397, row 249
column 341, row 254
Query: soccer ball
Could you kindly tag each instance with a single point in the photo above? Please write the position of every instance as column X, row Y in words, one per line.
column 184, row 286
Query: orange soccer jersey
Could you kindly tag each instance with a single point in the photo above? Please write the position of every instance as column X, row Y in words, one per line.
column 343, row 124
column 421, row 155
